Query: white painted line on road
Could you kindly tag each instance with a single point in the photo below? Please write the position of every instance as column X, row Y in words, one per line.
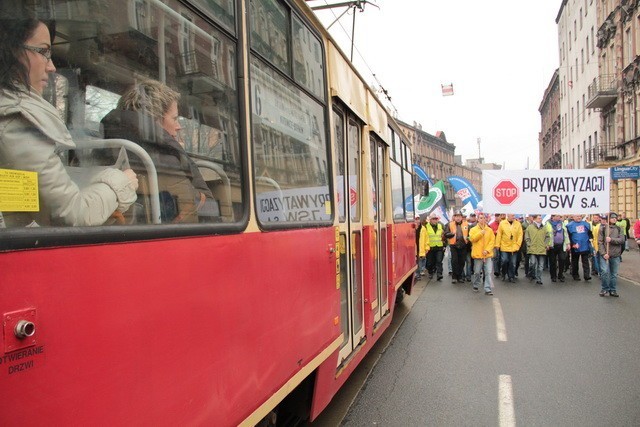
column 501, row 330
column 505, row 395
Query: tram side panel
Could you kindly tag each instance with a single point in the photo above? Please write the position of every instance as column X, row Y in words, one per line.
column 404, row 255
column 170, row 332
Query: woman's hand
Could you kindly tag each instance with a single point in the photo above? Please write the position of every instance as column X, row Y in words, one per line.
column 203, row 199
column 132, row 178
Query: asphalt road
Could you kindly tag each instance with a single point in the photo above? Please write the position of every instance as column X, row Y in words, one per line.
column 558, row 355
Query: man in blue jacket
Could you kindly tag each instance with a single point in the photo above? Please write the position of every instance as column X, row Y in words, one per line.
column 579, row 235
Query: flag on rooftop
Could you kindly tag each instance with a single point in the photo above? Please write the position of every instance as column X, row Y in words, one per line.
column 447, row 90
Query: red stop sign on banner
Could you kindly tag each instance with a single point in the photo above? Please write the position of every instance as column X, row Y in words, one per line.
column 506, row 192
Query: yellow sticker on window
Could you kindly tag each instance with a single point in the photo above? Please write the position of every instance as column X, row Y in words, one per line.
column 18, row 191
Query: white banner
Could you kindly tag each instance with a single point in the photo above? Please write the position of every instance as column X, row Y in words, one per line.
column 559, row 191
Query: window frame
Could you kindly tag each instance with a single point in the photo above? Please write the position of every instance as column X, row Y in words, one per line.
column 290, row 76
column 67, row 236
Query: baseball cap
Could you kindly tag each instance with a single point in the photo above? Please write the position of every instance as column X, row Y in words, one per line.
column 434, row 216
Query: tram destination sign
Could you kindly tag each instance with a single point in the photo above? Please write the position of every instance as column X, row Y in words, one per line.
column 625, row 172
column 561, row 191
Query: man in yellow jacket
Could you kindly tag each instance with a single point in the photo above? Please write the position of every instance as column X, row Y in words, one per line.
column 482, row 244
column 509, row 239
column 431, row 245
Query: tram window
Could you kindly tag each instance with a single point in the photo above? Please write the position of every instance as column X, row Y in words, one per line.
column 307, row 55
column 290, row 150
column 339, row 136
column 353, row 135
column 270, row 32
column 397, row 193
column 222, row 11
column 408, row 195
column 98, row 60
column 397, row 148
column 382, row 188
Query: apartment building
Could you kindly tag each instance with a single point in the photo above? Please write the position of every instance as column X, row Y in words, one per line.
column 613, row 96
column 549, row 137
column 578, row 54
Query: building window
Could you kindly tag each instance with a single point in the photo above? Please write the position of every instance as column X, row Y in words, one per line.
column 580, row 18
column 587, row 49
column 629, row 57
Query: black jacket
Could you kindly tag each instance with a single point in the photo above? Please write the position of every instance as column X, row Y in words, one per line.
column 167, row 154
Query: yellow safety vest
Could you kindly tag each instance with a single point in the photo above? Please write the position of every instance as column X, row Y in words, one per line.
column 435, row 237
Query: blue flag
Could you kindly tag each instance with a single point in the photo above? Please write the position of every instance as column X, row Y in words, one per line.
column 464, row 191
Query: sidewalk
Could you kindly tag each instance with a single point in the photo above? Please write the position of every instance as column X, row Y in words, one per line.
column 630, row 265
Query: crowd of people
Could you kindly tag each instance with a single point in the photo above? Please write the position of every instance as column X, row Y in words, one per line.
column 482, row 248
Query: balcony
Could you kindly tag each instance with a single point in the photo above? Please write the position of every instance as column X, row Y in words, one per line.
column 199, row 73
column 603, row 91
column 606, row 152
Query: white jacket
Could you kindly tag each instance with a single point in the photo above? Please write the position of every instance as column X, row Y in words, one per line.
column 30, row 132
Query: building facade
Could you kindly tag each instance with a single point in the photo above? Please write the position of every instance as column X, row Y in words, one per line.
column 578, row 54
column 549, row 138
column 614, row 97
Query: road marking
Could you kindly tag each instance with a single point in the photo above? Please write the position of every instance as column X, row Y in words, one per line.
column 505, row 392
column 501, row 330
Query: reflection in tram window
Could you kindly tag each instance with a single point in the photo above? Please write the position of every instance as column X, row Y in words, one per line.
column 290, row 150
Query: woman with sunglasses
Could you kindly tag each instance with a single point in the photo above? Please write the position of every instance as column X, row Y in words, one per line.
column 31, row 131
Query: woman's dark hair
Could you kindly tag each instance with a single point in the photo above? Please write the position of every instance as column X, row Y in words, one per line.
column 15, row 29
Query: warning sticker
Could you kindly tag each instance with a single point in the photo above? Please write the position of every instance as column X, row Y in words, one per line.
column 18, row 191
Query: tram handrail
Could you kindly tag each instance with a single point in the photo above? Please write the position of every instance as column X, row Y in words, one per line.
column 152, row 174
column 223, row 175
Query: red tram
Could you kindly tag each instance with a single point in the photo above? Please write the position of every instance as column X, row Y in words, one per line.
column 262, row 306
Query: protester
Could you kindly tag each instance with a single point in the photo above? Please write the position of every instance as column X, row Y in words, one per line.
column 472, row 220
column 560, row 246
column 508, row 239
column 497, row 258
column 435, row 241
column 625, row 226
column 595, row 227
column 610, row 247
column 579, row 235
column 538, row 242
column 457, row 233
column 482, row 242
column 522, row 255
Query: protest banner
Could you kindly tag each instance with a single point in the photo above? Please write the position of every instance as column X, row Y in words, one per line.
column 561, row 191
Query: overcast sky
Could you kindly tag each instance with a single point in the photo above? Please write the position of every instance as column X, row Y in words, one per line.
column 499, row 54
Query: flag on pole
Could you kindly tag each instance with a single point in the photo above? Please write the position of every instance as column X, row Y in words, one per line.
column 447, row 90
column 434, row 202
column 465, row 191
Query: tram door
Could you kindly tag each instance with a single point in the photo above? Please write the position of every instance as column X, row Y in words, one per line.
column 348, row 134
column 378, row 189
